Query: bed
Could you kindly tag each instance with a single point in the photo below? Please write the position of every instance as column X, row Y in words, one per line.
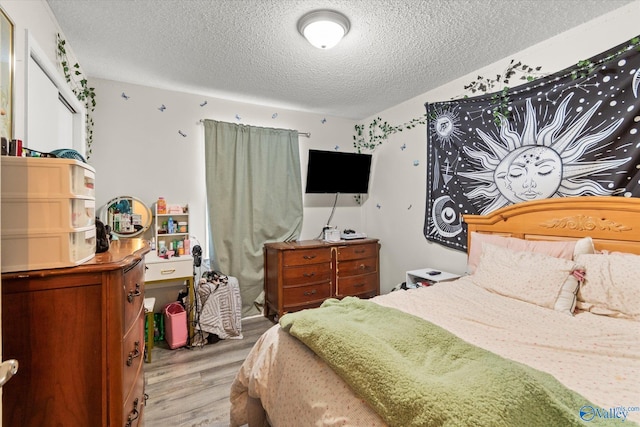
column 582, row 334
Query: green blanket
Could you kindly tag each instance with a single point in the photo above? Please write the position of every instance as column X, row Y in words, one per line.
column 414, row 373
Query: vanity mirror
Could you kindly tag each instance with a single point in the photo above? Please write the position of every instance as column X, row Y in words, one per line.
column 127, row 216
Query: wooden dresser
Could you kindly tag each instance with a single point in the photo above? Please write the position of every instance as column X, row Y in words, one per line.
column 78, row 336
column 303, row 274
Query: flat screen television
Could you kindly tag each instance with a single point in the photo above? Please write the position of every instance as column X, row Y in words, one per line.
column 338, row 172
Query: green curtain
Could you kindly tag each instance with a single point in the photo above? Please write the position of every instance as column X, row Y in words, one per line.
column 254, row 196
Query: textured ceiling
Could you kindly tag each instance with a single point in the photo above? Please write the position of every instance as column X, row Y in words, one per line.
column 250, row 50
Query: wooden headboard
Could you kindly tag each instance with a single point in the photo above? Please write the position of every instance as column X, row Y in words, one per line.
column 612, row 222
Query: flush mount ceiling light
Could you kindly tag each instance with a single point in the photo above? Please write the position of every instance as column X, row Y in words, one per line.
column 323, row 28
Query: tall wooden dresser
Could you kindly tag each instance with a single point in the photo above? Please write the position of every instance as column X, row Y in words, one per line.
column 78, row 336
column 303, row 274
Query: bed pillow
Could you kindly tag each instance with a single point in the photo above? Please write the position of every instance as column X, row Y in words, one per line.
column 566, row 249
column 611, row 285
column 567, row 300
column 533, row 277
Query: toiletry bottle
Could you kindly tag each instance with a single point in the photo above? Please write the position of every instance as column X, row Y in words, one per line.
column 161, row 206
column 170, row 226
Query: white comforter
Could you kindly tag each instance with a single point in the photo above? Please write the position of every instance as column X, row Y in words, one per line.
column 597, row 356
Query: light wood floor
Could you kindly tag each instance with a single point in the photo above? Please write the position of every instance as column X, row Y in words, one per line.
column 190, row 387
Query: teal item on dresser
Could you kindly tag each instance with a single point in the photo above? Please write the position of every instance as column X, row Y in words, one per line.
column 415, row 373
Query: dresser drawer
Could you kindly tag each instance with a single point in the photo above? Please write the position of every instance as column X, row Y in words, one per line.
column 363, row 285
column 307, row 256
column 304, row 295
column 307, row 274
column 133, row 409
column 133, row 286
column 369, row 250
column 357, row 266
column 174, row 268
column 132, row 355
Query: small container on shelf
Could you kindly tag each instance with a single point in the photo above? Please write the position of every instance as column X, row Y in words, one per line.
column 161, row 206
column 182, row 227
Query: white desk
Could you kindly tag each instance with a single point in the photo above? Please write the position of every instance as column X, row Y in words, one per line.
column 174, row 269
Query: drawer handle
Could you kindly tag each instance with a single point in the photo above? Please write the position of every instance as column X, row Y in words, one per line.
column 359, row 285
column 309, row 256
column 309, row 274
column 362, row 267
column 359, row 251
column 309, row 293
column 133, row 415
column 135, row 293
column 173, row 270
column 133, row 354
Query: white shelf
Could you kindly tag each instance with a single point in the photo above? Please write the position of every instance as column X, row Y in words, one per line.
column 167, row 238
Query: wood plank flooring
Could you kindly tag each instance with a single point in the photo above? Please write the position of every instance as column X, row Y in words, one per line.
column 190, row 387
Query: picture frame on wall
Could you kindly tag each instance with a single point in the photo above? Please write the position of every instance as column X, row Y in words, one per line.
column 6, row 76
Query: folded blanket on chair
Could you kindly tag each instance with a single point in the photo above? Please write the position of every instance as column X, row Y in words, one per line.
column 414, row 373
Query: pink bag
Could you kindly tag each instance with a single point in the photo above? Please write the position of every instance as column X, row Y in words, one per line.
column 175, row 324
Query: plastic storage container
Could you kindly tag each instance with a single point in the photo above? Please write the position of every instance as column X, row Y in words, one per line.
column 35, row 251
column 51, row 215
column 161, row 206
column 46, row 177
column 48, row 213
column 175, row 325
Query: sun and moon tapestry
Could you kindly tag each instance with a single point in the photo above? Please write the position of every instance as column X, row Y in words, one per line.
column 573, row 133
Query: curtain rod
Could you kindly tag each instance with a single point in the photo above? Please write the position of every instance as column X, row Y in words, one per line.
column 305, row 134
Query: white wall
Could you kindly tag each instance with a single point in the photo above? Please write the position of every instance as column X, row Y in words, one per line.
column 396, row 209
column 140, row 150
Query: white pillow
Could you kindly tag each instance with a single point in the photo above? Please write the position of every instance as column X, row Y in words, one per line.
column 527, row 276
column 583, row 246
column 611, row 285
column 567, row 249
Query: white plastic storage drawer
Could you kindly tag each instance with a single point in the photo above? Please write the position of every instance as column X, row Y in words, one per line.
column 47, row 215
column 46, row 177
column 35, row 251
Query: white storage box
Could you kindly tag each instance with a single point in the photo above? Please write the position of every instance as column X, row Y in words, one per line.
column 46, row 215
column 46, row 177
column 34, row 251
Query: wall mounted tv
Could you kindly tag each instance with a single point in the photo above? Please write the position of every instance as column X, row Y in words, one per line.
column 338, row 172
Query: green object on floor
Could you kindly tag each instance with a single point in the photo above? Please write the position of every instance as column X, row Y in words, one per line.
column 158, row 333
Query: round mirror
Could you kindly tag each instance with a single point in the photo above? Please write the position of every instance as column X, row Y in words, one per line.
column 127, row 216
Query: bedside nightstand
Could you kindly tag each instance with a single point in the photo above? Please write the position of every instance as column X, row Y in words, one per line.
column 414, row 277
